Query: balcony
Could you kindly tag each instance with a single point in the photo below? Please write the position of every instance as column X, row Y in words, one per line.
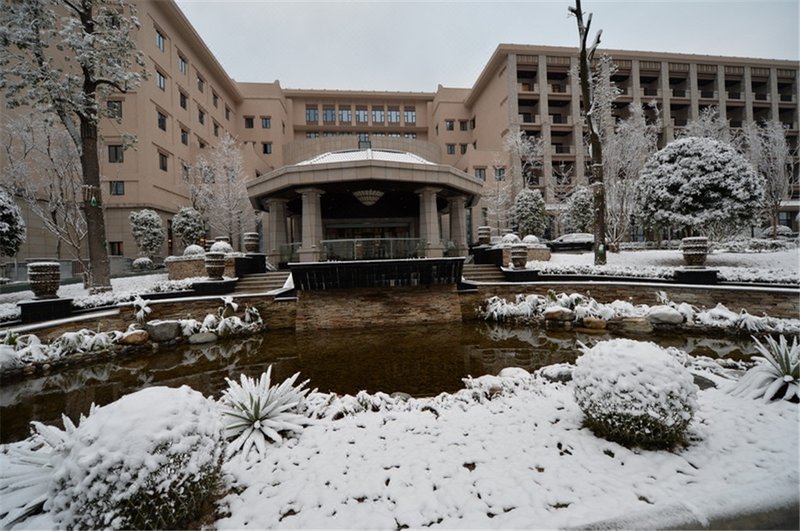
column 561, row 149
column 560, row 119
column 678, row 122
column 676, row 93
column 647, row 91
column 761, row 96
column 560, row 88
column 709, row 94
column 527, row 87
column 529, row 118
column 733, row 95
column 788, row 98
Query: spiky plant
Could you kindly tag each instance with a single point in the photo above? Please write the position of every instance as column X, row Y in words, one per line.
column 776, row 373
column 256, row 413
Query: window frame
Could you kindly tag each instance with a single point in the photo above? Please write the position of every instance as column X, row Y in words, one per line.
column 249, row 122
column 114, row 109
column 161, row 80
column 266, row 148
column 118, row 151
column 161, row 120
column 116, row 187
column 163, row 161
column 161, row 40
column 266, row 122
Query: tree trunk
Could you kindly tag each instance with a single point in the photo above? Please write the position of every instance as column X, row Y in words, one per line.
column 99, row 274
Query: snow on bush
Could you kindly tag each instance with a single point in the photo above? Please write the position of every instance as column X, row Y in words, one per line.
column 699, row 184
column 530, row 239
column 12, row 226
column 256, row 413
column 634, row 393
column 142, row 264
column 148, row 460
column 147, row 230
column 189, row 226
column 579, row 214
column 193, row 250
column 529, row 212
column 509, row 239
column 221, row 247
column 776, row 373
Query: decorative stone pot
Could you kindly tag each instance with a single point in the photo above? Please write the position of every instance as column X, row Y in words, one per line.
column 250, row 240
column 484, row 235
column 519, row 255
column 215, row 265
column 44, row 278
column 695, row 250
column 222, row 239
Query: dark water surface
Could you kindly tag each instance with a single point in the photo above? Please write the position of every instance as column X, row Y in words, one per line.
column 418, row 360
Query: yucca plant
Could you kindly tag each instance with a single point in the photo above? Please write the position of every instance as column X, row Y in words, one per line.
column 255, row 413
column 776, row 373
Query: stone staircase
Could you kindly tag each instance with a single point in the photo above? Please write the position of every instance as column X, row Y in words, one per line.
column 483, row 273
column 261, row 282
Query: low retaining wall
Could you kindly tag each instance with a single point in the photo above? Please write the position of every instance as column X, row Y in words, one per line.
column 775, row 302
column 364, row 307
column 195, row 267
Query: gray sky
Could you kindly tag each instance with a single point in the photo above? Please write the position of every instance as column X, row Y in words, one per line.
column 413, row 46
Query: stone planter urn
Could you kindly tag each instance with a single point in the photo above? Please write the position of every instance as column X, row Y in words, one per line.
column 44, row 278
column 215, row 265
column 484, row 235
column 519, row 255
column 695, row 250
column 250, row 240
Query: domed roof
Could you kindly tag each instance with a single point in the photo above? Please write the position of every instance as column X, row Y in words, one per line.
column 353, row 155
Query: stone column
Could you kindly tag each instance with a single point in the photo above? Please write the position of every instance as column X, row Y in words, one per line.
column 458, row 224
column 311, row 225
column 666, row 96
column 774, row 97
column 748, row 94
column 722, row 94
column 276, row 228
column 429, row 222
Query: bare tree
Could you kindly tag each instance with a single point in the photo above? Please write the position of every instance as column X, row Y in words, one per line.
column 529, row 151
column 596, row 183
column 766, row 148
column 62, row 57
column 498, row 198
column 217, row 190
column 626, row 151
column 709, row 124
column 44, row 170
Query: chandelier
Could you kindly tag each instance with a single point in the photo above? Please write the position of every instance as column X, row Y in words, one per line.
column 368, row 197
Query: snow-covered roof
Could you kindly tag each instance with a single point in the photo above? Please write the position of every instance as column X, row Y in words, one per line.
column 354, row 155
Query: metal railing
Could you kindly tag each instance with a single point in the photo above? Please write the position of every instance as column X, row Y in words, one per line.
column 372, row 249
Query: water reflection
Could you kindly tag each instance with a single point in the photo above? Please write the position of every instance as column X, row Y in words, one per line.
column 419, row 360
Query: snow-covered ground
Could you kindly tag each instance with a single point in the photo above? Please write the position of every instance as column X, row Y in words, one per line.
column 779, row 266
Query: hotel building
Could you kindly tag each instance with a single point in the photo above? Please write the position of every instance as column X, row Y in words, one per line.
column 330, row 165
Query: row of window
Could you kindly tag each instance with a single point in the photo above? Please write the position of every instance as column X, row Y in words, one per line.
column 183, row 67
column 361, row 136
column 266, row 122
column 380, row 114
column 499, row 173
column 463, row 125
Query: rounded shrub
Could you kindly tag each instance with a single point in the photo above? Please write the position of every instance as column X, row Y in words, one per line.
column 193, row 250
column 634, row 393
column 142, row 264
column 149, row 460
column 221, row 247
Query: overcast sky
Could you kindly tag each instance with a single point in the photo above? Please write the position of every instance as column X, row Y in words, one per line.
column 413, row 46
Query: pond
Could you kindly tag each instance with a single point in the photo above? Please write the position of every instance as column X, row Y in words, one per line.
column 419, row 360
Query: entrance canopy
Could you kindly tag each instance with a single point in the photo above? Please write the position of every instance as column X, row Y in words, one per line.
column 363, row 193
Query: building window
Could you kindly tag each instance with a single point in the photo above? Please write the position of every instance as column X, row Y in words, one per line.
column 114, row 108
column 463, row 148
column 116, row 153
column 312, row 134
column 412, row 136
column 410, row 116
column 266, row 148
column 312, row 114
column 116, row 187
column 215, row 99
column 227, row 113
column 328, row 114
column 362, row 116
column 345, row 116
column 182, row 64
column 480, row 173
column 184, row 137
column 472, row 123
column 451, row 149
column 266, row 122
column 499, row 173
column 216, row 129
column 248, row 122
column 363, row 137
column 201, row 116
column 115, row 248
column 161, row 80
column 394, row 115
column 160, row 41
column 377, row 115
column 449, row 125
column 162, row 161
column 463, row 125
column 161, row 119
column 184, row 100
column 185, row 169
column 201, row 144
column 201, row 83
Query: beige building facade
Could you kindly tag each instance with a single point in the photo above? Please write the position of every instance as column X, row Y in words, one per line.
column 458, row 135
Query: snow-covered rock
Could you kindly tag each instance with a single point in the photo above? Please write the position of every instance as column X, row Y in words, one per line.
column 134, row 337
column 664, row 315
column 202, row 337
column 163, row 330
